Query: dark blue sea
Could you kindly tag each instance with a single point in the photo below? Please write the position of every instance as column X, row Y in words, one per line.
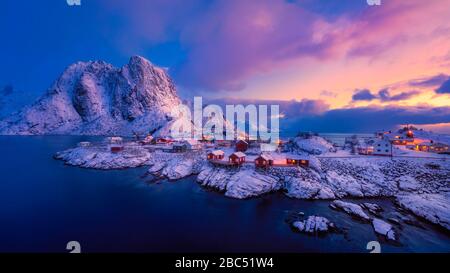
column 44, row 204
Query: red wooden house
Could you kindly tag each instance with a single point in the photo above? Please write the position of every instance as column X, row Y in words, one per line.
column 237, row 158
column 216, row 155
column 297, row 161
column 115, row 148
column 263, row 161
column 162, row 140
column 241, row 146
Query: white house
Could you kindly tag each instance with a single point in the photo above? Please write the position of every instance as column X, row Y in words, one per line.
column 192, row 144
column 114, row 140
column 382, row 147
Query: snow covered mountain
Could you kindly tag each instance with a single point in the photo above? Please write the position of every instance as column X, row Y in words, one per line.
column 96, row 98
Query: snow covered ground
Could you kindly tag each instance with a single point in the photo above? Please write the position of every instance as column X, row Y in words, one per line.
column 419, row 185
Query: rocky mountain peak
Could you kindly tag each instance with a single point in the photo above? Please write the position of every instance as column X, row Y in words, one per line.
column 97, row 98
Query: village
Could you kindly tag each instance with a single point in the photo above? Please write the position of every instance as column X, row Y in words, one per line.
column 222, row 153
column 293, row 152
column 409, row 165
column 407, row 141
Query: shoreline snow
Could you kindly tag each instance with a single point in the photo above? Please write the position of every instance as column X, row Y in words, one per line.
column 420, row 186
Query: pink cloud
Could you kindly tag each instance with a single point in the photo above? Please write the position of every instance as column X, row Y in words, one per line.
column 228, row 42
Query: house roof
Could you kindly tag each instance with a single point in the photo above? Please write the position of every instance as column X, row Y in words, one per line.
column 265, row 157
column 217, row 152
column 425, row 144
column 296, row 157
column 439, row 144
column 191, row 142
column 179, row 145
column 238, row 154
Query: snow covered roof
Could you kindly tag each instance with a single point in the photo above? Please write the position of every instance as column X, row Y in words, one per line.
column 179, row 144
column 114, row 139
column 217, row 152
column 239, row 154
column 191, row 142
column 425, row 144
column 266, row 157
column 439, row 144
column 296, row 157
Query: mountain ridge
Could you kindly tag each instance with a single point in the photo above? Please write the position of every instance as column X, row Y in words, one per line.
column 96, row 98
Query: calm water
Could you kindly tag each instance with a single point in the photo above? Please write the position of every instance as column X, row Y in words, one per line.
column 44, row 204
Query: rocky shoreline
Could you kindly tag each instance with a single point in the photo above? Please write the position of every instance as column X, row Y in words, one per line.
column 420, row 186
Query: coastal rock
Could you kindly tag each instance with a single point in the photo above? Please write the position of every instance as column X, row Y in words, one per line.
column 174, row 165
column 344, row 184
column 314, row 225
column 373, row 208
column 103, row 158
column 358, row 177
column 407, row 183
column 383, row 228
column 313, row 145
column 307, row 189
column 350, row 208
column 432, row 207
column 240, row 184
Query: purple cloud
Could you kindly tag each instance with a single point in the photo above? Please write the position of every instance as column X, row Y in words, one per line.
column 290, row 108
column 384, row 95
column 367, row 119
column 430, row 81
column 444, row 88
column 227, row 42
column 363, row 95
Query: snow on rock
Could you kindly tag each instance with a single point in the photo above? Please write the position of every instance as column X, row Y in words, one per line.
column 156, row 167
column 314, row 164
column 95, row 98
column 102, row 158
column 313, row 145
column 344, row 184
column 307, row 189
column 240, row 184
column 174, row 165
column 383, row 228
column 372, row 208
column 314, row 224
column 358, row 177
column 178, row 170
column 432, row 207
column 407, row 183
column 350, row 208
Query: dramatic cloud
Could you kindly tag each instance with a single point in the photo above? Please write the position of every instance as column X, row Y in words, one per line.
column 367, row 119
column 363, row 95
column 385, row 96
column 290, row 109
column 445, row 88
column 225, row 43
column 429, row 82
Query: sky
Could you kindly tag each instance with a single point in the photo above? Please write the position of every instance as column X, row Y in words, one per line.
column 325, row 61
